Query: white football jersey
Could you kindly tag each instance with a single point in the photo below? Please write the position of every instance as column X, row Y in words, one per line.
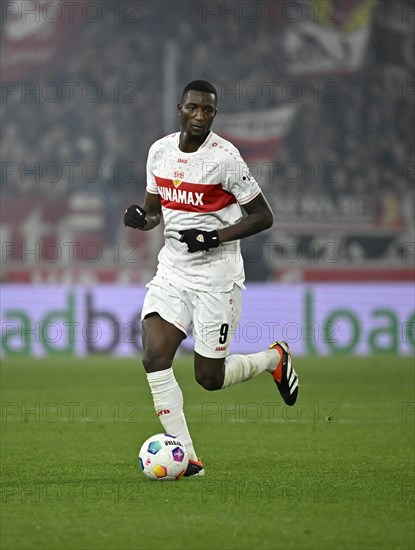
column 200, row 190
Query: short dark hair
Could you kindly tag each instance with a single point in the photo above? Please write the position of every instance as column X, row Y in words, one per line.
column 200, row 86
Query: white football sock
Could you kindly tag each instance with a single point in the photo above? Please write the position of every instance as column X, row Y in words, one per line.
column 239, row 368
column 168, row 402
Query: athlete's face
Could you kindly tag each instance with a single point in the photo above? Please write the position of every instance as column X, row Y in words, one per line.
column 197, row 113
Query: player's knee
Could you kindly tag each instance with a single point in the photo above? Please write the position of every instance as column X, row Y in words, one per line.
column 156, row 362
column 209, row 383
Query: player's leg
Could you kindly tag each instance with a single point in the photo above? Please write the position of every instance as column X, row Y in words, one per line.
column 276, row 360
column 161, row 340
column 215, row 321
column 218, row 373
column 209, row 371
column 162, row 315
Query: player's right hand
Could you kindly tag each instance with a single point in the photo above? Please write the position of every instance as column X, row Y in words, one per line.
column 135, row 217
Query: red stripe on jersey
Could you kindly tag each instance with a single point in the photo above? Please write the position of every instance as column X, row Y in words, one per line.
column 193, row 197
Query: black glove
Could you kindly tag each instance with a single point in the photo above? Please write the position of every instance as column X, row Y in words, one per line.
column 196, row 239
column 135, row 217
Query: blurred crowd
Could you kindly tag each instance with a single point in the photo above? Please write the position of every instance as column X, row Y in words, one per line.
column 352, row 132
column 357, row 130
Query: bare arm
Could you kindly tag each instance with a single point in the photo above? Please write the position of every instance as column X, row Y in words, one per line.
column 152, row 208
column 259, row 217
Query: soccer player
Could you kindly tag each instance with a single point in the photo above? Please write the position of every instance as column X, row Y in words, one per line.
column 198, row 182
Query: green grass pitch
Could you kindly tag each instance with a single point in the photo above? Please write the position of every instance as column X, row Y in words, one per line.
column 334, row 471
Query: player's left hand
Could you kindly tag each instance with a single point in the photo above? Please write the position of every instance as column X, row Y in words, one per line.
column 196, row 239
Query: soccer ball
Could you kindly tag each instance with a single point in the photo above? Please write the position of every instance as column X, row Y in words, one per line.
column 163, row 457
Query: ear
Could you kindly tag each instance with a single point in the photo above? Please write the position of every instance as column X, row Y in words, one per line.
column 179, row 107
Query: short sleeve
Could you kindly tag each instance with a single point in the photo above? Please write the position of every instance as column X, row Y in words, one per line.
column 238, row 179
column 151, row 186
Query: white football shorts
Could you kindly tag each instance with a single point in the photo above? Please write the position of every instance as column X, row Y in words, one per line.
column 214, row 315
